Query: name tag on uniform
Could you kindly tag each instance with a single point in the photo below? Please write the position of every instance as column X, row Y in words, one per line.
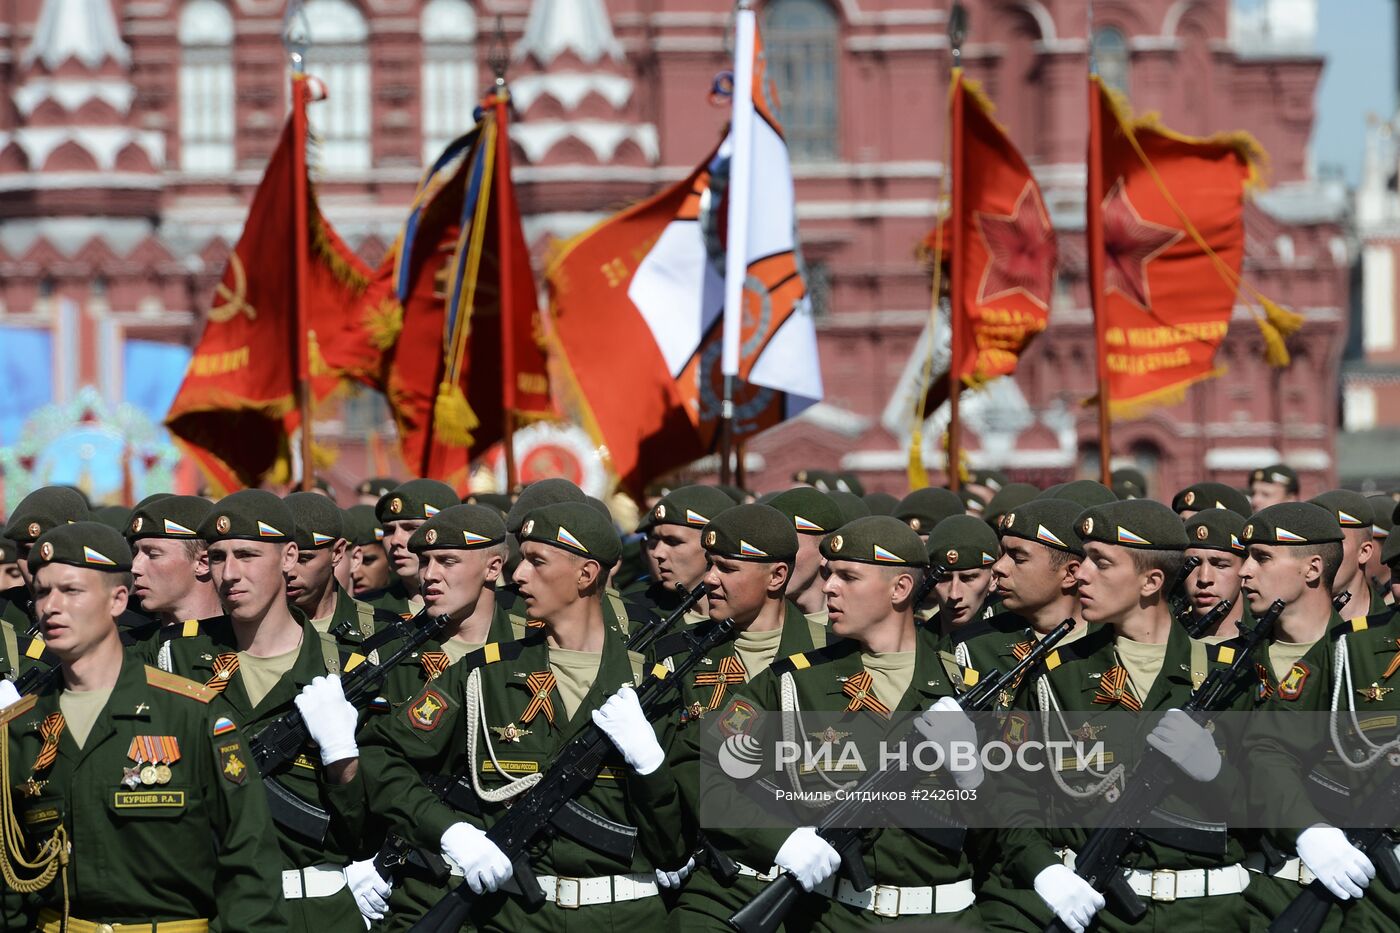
column 42, row 815
column 512, row 767
column 127, row 800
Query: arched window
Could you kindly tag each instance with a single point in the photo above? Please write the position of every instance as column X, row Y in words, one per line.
column 206, row 87
column 339, row 56
column 800, row 39
column 449, row 73
column 1111, row 53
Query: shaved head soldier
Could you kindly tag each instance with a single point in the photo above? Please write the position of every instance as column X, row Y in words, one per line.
column 170, row 561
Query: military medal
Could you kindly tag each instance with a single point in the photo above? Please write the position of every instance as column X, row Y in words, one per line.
column 510, row 732
column 828, row 736
column 131, row 777
column 33, row 788
column 1374, row 693
column 153, row 755
column 1087, row 732
column 148, row 775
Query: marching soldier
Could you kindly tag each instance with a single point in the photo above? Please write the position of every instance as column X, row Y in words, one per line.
column 536, row 495
column 752, row 549
column 138, row 806
column 500, row 715
column 1009, row 498
column 966, row 548
column 1355, row 516
column 1134, row 658
column 43, row 509
column 170, row 563
column 258, row 657
column 923, row 509
column 312, row 585
column 401, row 513
column 813, row 516
column 1272, row 485
column 1295, row 550
column 673, row 545
column 881, row 666
column 9, row 565
column 1216, row 538
column 1382, row 519
column 1201, row 496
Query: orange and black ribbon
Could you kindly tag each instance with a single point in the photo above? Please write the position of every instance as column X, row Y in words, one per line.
column 731, row 671
column 225, row 666
column 1266, row 687
column 1113, row 688
column 434, row 663
column 1394, row 664
column 862, row 696
column 49, row 730
column 540, row 684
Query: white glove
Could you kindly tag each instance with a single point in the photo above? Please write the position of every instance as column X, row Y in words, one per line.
column 330, row 719
column 1338, row 864
column 371, row 890
column 1186, row 742
column 622, row 720
column 1073, row 899
column 670, row 880
column 484, row 866
column 8, row 693
column 808, row 857
column 945, row 724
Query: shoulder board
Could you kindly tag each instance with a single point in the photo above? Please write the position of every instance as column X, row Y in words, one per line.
column 1224, row 652
column 186, row 629
column 817, row 656
column 495, row 651
column 386, row 616
column 349, row 660
column 18, row 708
column 1077, row 650
column 182, row 686
column 1352, row 626
column 638, row 662
column 33, row 648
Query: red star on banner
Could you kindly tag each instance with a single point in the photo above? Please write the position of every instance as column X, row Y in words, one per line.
column 1022, row 250
column 1130, row 243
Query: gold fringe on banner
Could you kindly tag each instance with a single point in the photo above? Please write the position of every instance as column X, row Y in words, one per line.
column 453, row 419
column 324, row 250
column 383, row 323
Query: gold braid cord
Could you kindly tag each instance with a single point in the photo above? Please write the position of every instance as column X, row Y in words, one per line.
column 53, row 854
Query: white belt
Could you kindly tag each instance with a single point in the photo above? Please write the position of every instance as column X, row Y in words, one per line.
column 1166, row 884
column 768, row 875
column 888, row 900
column 572, row 893
column 317, row 881
column 1292, row 870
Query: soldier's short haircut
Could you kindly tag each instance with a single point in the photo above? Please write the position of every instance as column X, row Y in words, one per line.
column 1168, row 561
column 1059, row 559
column 1331, row 554
column 194, row 547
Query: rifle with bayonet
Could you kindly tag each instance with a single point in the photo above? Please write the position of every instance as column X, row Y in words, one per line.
column 1197, row 628
column 573, row 769
column 1176, row 593
column 277, row 744
column 1101, row 861
column 766, row 912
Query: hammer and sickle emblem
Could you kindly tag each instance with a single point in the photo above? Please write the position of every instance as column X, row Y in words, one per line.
column 235, row 300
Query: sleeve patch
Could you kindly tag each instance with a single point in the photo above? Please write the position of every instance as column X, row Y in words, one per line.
column 425, row 713
column 231, row 764
column 223, row 726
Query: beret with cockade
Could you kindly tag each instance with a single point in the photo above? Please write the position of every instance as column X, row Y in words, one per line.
column 876, row 539
column 250, row 515
column 82, row 544
column 811, row 510
column 575, row 527
column 169, row 517
column 361, row 527
column 1292, row 523
column 1050, row 522
column 924, row 508
column 1135, row 523
column 1199, row 496
column 963, row 542
column 459, row 528
column 320, row 522
column 1279, row 473
column 415, row 500
column 44, row 508
column 751, row 532
column 1086, row 492
column 1216, row 530
column 1351, row 509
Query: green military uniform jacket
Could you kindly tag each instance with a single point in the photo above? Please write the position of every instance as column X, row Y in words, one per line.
column 1070, row 679
column 192, row 650
column 1299, row 777
column 987, row 645
column 199, row 845
column 892, row 856
column 353, row 620
column 393, row 598
column 408, row 678
column 433, row 735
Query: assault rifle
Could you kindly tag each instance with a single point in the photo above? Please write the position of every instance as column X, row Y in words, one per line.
column 642, row 638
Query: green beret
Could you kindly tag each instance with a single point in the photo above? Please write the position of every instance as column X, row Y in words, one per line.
column 733, row 492
column 496, row 500
column 995, row 480
column 249, row 515
column 9, row 551
column 113, row 516
column 1200, row 496
column 751, row 532
column 849, row 482
column 459, row 528
column 153, row 497
column 600, row 507
column 1128, row 483
column 45, row 508
column 575, row 527
column 693, row 506
column 1390, row 551
column 1292, row 523
column 1216, row 530
column 963, row 542
column 973, row 503
column 851, row 505
column 1138, row 523
column 361, row 526
column 825, row 480
column 320, row 522
column 880, row 503
column 1278, row 473
column 923, row 509
column 1086, row 492
column 1382, row 515
column 876, row 539
column 1351, row 509
column 168, row 517
column 376, row 486
column 811, row 511
column 415, row 500
column 1050, row 522
column 538, row 494
column 82, row 544
column 1008, row 497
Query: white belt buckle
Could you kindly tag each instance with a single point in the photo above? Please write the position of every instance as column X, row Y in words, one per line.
column 884, row 901
column 292, row 885
column 1168, row 876
column 566, row 893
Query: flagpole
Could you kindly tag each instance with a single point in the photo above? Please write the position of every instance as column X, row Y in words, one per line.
column 296, row 44
column 1093, row 207
column 503, row 262
column 736, row 263
column 957, row 31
